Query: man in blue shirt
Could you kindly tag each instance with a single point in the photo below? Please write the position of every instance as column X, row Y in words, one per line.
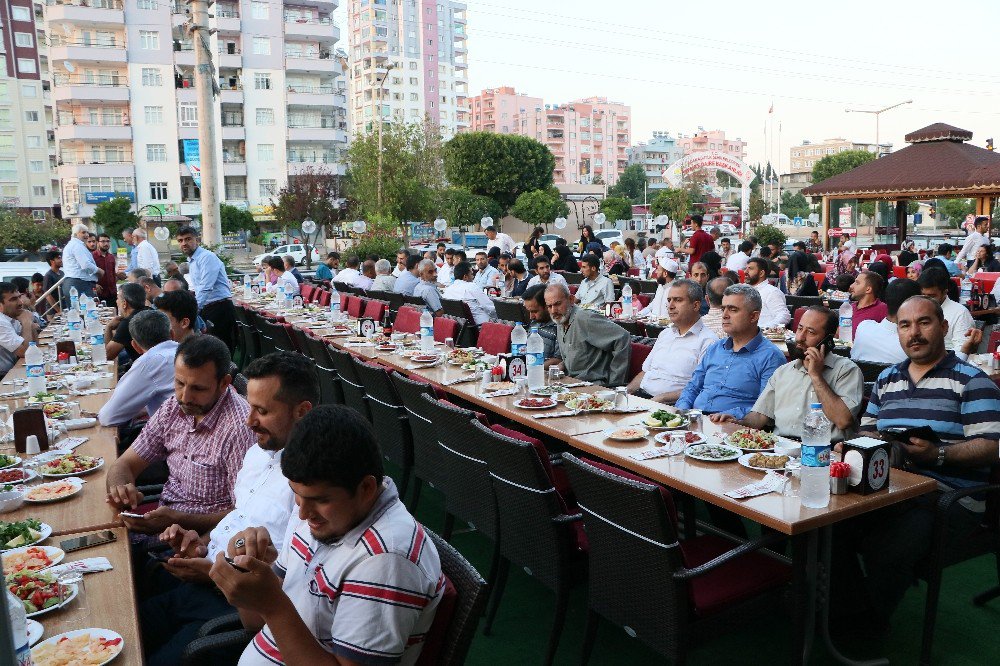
column 486, row 275
column 325, row 270
column 79, row 267
column 408, row 279
column 734, row 371
column 944, row 252
column 207, row 277
column 427, row 287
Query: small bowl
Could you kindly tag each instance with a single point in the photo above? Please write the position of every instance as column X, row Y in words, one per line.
column 11, row 500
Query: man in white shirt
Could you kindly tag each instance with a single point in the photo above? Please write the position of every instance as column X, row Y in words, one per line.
column 445, row 276
column 595, row 290
column 367, row 277
column 17, row 328
column 150, row 379
column 351, row 273
column 383, row 280
column 738, row 260
column 463, row 289
column 664, row 274
column 282, row 388
column 878, row 341
column 979, row 236
column 500, row 240
column 400, row 267
column 285, row 278
column 544, row 274
column 934, row 283
column 775, row 311
column 79, row 267
column 679, row 347
column 486, row 275
column 146, row 255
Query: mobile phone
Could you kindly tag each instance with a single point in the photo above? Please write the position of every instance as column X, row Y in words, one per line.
column 160, row 555
column 87, row 540
column 129, row 514
column 234, row 565
column 903, row 435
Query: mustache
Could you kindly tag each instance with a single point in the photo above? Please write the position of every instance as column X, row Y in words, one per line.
column 916, row 341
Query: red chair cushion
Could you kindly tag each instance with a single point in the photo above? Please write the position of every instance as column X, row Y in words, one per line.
column 638, row 355
column 986, row 281
column 494, row 338
column 556, row 474
column 734, row 581
column 819, row 278
column 438, row 633
column 355, row 306
column 643, row 299
column 306, row 291
column 799, row 311
column 742, row 279
column 994, row 342
column 407, row 320
column 573, row 288
column 668, row 499
column 324, row 298
column 374, row 309
column 445, row 328
column 899, row 271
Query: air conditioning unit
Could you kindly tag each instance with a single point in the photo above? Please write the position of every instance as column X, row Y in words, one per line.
column 71, row 209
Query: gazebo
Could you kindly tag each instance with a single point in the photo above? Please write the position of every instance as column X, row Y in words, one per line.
column 937, row 163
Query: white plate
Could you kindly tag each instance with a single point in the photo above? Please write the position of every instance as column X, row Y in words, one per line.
column 426, row 358
column 35, row 632
column 96, row 467
column 45, row 530
column 75, row 482
column 664, row 438
column 684, row 424
column 517, row 403
column 17, row 461
column 732, row 453
column 55, row 554
column 29, row 474
column 725, row 440
column 745, row 461
column 99, row 633
column 549, row 391
column 76, row 590
column 609, row 434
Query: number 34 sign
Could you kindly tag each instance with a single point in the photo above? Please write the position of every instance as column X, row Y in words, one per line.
column 869, row 461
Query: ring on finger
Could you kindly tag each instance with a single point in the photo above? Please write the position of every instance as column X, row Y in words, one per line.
column 240, row 543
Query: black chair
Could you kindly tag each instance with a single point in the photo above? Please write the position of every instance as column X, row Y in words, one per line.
column 280, row 335
column 300, row 337
column 329, row 382
column 648, row 286
column 793, row 301
column 251, row 339
column 665, row 591
column 389, row 419
column 264, row 335
column 415, row 300
column 350, row 384
column 653, row 330
column 871, row 371
column 395, row 301
column 468, row 332
column 572, row 278
column 512, row 311
column 426, row 452
column 469, row 606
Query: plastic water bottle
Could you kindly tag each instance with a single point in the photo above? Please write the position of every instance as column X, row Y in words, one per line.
column 518, row 341
column 247, row 287
column 627, row 301
column 89, row 312
column 334, row 304
column 279, row 296
column 815, row 471
column 75, row 325
column 98, row 352
column 846, row 331
column 427, row 331
column 536, row 359
column 966, row 291
column 19, row 627
column 34, row 366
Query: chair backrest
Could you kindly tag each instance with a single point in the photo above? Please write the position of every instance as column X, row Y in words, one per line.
column 356, row 307
column 329, row 382
column 445, row 328
column 389, row 417
column 306, row 292
column 639, row 352
column 642, row 299
column 375, row 309
column 802, row 301
column 653, row 330
column 350, row 383
column 456, row 308
column 451, row 634
column 324, row 298
column 571, row 277
column 426, row 452
column 871, row 371
column 299, row 337
column 799, row 311
column 417, row 301
column 511, row 311
column 899, row 271
column 494, row 338
column 407, row 320
column 994, row 341
column 395, row 301
column 740, row 272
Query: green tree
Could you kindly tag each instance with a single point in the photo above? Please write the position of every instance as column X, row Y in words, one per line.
column 831, row 165
column 767, row 233
column 912, row 207
column 462, row 208
column 21, row 231
column 758, row 207
column 499, row 166
column 617, row 208
column 312, row 193
column 794, row 205
column 631, row 184
column 540, row 207
column 114, row 215
column 673, row 203
column 955, row 210
column 695, row 185
column 236, row 219
column 867, row 208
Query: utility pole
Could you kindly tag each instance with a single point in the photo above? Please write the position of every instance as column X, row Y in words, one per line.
column 878, row 146
column 204, row 83
column 378, row 115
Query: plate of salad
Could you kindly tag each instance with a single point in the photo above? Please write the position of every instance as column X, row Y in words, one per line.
column 666, row 420
column 8, row 461
column 23, row 533
column 39, row 592
column 70, row 465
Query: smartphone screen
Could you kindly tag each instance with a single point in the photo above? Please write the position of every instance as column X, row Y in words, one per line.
column 87, row 540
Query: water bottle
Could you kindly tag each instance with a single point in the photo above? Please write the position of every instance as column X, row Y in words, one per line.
column 536, row 359
column 91, row 316
column 815, row 471
column 34, row 369
column 279, row 296
column 846, row 331
column 75, row 325
column 966, row 291
column 19, row 630
column 98, row 352
column 74, row 299
column 518, row 341
column 627, row 301
column 427, row 331
column 334, row 304
column 247, row 287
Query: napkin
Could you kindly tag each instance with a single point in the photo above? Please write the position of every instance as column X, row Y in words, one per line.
column 497, row 394
column 88, row 565
column 419, row 366
column 460, row 380
column 72, row 442
column 552, row 415
column 575, row 384
column 772, row 482
column 93, row 391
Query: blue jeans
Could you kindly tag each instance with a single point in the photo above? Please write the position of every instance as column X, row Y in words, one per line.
column 83, row 287
column 171, row 620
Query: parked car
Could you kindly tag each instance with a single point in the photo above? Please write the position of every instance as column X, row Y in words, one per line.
column 297, row 252
column 606, row 236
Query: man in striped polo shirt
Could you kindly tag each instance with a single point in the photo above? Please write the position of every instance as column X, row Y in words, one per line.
column 961, row 404
column 357, row 581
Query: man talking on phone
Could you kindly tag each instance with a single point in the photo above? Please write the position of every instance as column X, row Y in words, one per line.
column 816, row 373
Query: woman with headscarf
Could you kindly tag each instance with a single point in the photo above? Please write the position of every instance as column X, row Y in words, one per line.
column 913, row 270
column 563, row 259
column 845, row 265
column 798, row 281
column 713, row 262
column 908, row 254
column 614, row 259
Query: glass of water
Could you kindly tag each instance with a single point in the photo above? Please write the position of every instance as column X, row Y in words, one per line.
column 72, row 594
column 555, row 374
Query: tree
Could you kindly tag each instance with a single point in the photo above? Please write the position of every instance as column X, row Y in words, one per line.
column 115, row 215
column 912, row 207
column 617, row 208
column 540, row 207
column 236, row 219
column 25, row 233
column 955, row 210
column 695, row 184
column 462, row 208
column 767, row 234
column 673, row 203
column 631, row 184
column 499, row 166
column 867, row 208
column 312, row 193
column 831, row 165
column 794, row 205
column 758, row 207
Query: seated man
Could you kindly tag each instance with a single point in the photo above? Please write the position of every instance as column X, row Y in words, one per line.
column 348, row 275
column 678, row 349
column 181, row 309
column 878, row 341
column 150, row 379
column 486, row 275
column 595, row 290
column 327, row 268
column 734, row 371
column 815, row 375
column 282, row 387
column 463, row 289
column 427, row 287
column 934, row 283
column 284, row 278
column 534, row 303
column 962, row 405
column 357, row 581
column 544, row 274
column 367, row 277
column 594, row 348
column 173, row 284
column 151, row 288
column 137, row 274
column 408, row 280
column 17, row 327
column 713, row 294
column 383, row 281
column 866, row 301
column 445, row 276
column 521, row 277
column 201, row 432
column 664, row 272
column 290, row 268
column 400, row 267
column 774, row 311
column 131, row 299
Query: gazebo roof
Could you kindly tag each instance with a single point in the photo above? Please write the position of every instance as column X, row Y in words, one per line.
column 938, row 162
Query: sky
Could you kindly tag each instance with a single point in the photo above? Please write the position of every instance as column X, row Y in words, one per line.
column 722, row 64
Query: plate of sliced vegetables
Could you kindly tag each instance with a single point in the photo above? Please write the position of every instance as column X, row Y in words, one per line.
column 589, row 403
column 549, row 390
column 38, row 591
column 713, row 452
column 26, row 532
column 16, row 475
column 93, row 647
column 53, row 491
column 45, row 397
column 9, row 461
column 56, row 410
column 749, row 439
column 70, row 465
column 31, row 558
column 666, row 420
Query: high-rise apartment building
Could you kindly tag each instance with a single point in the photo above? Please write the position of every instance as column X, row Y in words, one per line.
column 417, row 51
column 125, row 103
column 702, row 141
column 589, row 137
column 802, row 158
column 27, row 146
column 655, row 155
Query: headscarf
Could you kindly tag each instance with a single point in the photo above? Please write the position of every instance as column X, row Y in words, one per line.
column 917, row 266
column 713, row 262
column 885, row 259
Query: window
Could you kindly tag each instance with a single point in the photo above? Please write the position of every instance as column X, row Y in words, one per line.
column 29, row 90
column 38, row 214
column 265, row 116
column 156, row 152
column 38, row 190
column 103, row 184
column 8, row 171
column 6, row 143
column 265, row 152
column 154, row 115
column 23, row 39
column 34, row 141
column 31, row 116
column 414, row 81
column 20, row 13
column 26, row 65
column 413, row 97
column 262, row 46
column 149, row 40
column 260, row 10
column 158, row 191
column 188, row 112
column 151, row 77
column 268, row 187
column 147, row 4
column 261, row 81
column 36, row 166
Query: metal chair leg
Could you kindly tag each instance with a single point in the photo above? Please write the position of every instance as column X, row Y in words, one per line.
column 497, row 590
column 930, row 615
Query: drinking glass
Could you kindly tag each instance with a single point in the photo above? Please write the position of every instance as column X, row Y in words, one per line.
column 621, row 398
column 4, row 415
column 555, row 374
column 69, row 583
column 522, row 388
column 694, row 420
column 449, row 343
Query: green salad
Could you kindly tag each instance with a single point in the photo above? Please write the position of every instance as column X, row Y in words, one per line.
column 6, row 461
column 21, row 533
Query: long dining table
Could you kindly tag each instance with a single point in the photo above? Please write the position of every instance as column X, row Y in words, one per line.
column 810, row 531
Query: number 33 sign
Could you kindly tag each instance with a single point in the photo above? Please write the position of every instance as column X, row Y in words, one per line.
column 869, row 461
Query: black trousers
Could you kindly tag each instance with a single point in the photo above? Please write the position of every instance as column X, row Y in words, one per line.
column 220, row 316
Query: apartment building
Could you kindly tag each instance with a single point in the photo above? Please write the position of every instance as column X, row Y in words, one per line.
column 27, row 144
column 408, row 61
column 655, row 155
column 702, row 141
column 126, row 109
column 588, row 137
column 802, row 158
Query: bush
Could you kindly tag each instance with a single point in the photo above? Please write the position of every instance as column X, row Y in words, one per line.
column 382, row 238
column 767, row 233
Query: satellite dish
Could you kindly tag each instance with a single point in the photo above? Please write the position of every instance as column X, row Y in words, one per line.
column 486, row 221
column 360, row 226
column 308, row 226
column 161, row 233
column 560, row 222
column 440, row 224
column 600, row 219
column 69, row 66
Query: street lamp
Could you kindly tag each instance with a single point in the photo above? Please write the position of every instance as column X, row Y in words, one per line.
column 378, row 109
column 878, row 146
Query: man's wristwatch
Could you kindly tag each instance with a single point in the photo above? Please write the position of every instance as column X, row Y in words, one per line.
column 940, row 457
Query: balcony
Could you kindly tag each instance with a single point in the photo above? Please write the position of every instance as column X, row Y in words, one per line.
column 98, row 127
column 233, row 164
column 89, row 12
column 78, row 49
column 325, row 130
column 321, row 28
column 77, row 87
column 229, row 58
column 233, row 132
column 83, row 163
column 184, row 54
column 227, row 19
column 305, row 62
column 315, row 96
